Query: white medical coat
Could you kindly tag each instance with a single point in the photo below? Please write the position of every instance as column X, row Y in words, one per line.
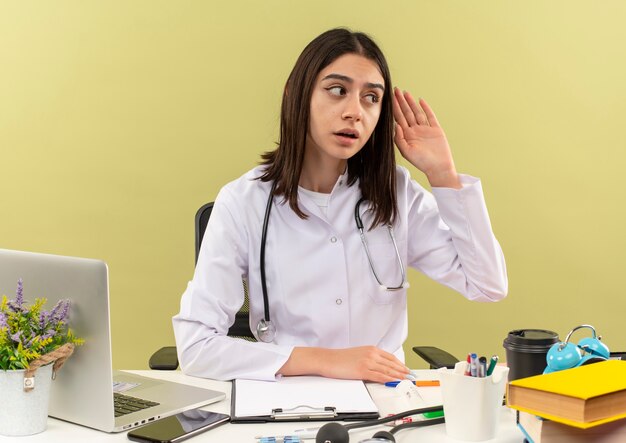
column 320, row 287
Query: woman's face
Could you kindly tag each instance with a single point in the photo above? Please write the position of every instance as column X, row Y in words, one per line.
column 345, row 106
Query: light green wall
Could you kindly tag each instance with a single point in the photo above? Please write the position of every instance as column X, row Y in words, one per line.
column 118, row 119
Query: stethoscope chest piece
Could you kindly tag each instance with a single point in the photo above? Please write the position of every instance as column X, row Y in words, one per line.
column 266, row 331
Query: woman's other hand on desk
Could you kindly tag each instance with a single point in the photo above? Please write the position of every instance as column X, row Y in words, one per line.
column 367, row 363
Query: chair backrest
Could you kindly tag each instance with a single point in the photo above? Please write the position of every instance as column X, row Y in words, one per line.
column 202, row 219
column 241, row 327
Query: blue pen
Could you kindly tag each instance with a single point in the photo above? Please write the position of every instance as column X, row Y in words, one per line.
column 285, row 439
column 420, row 383
column 473, row 365
column 311, row 433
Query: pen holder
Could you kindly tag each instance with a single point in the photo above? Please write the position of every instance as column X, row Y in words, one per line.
column 472, row 405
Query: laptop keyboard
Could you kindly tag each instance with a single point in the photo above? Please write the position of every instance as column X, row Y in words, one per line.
column 125, row 404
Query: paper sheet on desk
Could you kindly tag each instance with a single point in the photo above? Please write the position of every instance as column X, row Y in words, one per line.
column 406, row 396
column 258, row 398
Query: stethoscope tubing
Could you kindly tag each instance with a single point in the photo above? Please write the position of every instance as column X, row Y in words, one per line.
column 359, row 225
column 268, row 209
column 265, row 329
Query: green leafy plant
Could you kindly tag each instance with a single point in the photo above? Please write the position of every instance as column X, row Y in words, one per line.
column 28, row 332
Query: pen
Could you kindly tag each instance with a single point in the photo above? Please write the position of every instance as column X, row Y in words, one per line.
column 433, row 414
column 280, row 439
column 298, row 433
column 420, row 383
column 473, row 365
column 492, row 365
column 469, row 362
column 482, row 367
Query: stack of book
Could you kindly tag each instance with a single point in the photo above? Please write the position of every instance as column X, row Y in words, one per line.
column 540, row 430
column 587, row 403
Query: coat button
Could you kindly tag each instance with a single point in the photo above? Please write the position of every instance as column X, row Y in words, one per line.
column 339, row 301
column 333, row 239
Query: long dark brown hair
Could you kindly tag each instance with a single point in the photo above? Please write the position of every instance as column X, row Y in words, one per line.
column 374, row 165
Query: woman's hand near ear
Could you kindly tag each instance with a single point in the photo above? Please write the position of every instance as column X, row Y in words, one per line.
column 422, row 141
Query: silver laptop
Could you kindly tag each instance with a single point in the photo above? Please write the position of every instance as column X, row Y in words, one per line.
column 83, row 391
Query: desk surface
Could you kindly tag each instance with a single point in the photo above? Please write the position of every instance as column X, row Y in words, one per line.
column 62, row 432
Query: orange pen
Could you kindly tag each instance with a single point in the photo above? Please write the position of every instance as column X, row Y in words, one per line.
column 426, row 383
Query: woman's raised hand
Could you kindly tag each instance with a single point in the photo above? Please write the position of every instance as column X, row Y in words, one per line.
column 421, row 140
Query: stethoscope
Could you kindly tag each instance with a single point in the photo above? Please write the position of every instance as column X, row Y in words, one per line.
column 266, row 331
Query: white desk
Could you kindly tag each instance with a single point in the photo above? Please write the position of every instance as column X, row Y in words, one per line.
column 62, row 432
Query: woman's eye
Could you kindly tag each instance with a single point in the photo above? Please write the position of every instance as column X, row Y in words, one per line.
column 336, row 90
column 372, row 98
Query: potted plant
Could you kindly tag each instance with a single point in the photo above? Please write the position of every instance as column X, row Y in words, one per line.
column 34, row 343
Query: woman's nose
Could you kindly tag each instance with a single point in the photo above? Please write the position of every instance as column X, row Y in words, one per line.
column 353, row 110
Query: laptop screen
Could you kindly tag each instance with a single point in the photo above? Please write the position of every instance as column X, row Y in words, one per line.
column 82, row 391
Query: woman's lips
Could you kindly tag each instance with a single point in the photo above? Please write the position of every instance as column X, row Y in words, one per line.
column 345, row 140
column 347, row 136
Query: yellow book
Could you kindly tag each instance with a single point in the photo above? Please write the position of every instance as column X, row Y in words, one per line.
column 584, row 397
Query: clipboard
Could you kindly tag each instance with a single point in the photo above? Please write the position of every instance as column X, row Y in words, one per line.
column 300, row 398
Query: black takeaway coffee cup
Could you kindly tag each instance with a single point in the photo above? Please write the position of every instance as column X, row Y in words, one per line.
column 526, row 351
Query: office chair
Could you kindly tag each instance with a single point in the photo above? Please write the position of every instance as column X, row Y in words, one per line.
column 241, row 327
column 167, row 359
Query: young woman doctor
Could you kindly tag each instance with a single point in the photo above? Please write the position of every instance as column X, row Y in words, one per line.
column 336, row 302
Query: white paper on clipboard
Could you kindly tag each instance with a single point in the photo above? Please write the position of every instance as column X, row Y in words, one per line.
column 260, row 398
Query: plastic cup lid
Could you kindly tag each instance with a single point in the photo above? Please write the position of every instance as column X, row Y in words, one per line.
column 531, row 337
